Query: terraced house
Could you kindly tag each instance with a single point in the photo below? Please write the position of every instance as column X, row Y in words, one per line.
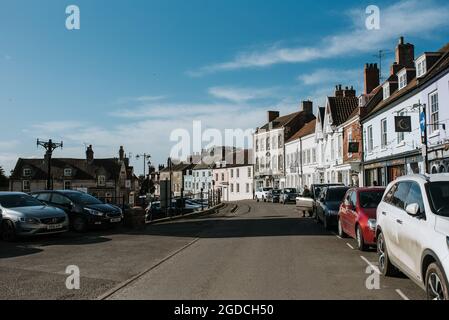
column 269, row 148
column 414, row 86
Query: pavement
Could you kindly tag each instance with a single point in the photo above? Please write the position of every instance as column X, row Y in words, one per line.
column 260, row 251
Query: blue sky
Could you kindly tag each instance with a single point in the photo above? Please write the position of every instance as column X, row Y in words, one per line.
column 139, row 69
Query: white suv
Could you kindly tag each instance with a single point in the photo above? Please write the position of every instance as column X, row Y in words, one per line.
column 413, row 232
column 262, row 194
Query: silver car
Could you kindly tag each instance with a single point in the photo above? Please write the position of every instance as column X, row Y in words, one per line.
column 23, row 215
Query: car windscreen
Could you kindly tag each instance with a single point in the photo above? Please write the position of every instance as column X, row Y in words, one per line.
column 439, row 197
column 336, row 195
column 267, row 189
column 290, row 190
column 84, row 199
column 19, row 201
column 370, row 199
column 276, row 192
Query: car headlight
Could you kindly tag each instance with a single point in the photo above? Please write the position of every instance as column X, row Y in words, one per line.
column 94, row 212
column 30, row 220
column 372, row 224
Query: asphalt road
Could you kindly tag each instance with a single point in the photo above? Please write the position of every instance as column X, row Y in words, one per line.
column 262, row 251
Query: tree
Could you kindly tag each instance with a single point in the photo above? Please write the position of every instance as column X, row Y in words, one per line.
column 4, row 181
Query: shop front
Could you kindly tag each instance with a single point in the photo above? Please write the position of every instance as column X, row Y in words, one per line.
column 381, row 173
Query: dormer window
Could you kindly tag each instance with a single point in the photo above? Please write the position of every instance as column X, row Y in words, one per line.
column 421, row 66
column 386, row 89
column 402, row 76
column 67, row 172
column 26, row 172
column 101, row 181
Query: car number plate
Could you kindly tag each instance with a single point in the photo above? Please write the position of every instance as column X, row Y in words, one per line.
column 54, row 226
column 114, row 220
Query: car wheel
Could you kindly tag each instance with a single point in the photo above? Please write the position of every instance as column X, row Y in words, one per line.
column 80, row 224
column 8, row 231
column 341, row 233
column 360, row 241
column 436, row 284
column 385, row 266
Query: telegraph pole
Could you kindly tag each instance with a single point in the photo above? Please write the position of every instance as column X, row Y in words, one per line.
column 49, row 147
column 145, row 157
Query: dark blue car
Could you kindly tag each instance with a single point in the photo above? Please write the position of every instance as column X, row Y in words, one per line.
column 328, row 205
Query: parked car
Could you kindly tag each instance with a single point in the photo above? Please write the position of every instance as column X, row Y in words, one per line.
column 305, row 204
column 316, row 190
column 84, row 210
column 273, row 196
column 262, row 194
column 288, row 195
column 22, row 215
column 357, row 215
column 413, row 232
column 328, row 205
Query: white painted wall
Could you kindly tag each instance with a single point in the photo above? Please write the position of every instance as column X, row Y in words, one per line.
column 293, row 162
column 241, row 183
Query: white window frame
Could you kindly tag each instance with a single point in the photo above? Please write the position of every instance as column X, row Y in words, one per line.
column 27, row 172
column 67, row 182
column 370, row 139
column 102, row 181
column 349, row 140
column 402, row 78
column 67, row 172
column 401, row 135
column 28, row 183
column 386, row 91
column 434, row 112
column 421, row 66
column 384, row 133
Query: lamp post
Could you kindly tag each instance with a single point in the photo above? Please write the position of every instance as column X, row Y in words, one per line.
column 49, row 147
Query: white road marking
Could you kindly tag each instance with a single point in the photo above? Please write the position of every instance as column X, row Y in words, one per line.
column 375, row 268
column 337, row 235
column 403, row 296
column 350, row 246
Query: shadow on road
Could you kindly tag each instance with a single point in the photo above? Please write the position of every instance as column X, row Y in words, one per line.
column 236, row 228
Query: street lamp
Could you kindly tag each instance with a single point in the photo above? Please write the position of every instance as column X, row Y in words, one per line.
column 145, row 157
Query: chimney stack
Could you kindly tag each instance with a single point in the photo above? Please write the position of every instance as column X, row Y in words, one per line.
column 338, row 91
column 349, row 92
column 371, row 77
column 273, row 115
column 121, row 153
column 90, row 154
column 405, row 54
column 307, row 106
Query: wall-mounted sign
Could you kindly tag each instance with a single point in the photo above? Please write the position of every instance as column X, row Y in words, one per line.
column 403, row 124
column 353, row 147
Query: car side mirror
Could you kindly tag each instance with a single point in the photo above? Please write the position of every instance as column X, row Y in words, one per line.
column 413, row 209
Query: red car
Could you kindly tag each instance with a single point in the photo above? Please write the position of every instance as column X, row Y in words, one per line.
column 357, row 215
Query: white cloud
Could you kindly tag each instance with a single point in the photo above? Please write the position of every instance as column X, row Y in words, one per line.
column 410, row 18
column 332, row 76
column 241, row 95
column 57, row 126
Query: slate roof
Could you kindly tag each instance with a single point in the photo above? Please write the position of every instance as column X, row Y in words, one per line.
column 341, row 108
column 81, row 168
column 281, row 121
column 308, row 129
column 439, row 66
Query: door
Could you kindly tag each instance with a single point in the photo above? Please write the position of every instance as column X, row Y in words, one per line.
column 395, row 218
column 352, row 214
column 411, row 232
column 344, row 212
column 61, row 202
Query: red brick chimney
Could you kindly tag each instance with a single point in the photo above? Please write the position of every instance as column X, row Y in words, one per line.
column 405, row 54
column 89, row 154
column 307, row 107
column 273, row 115
column 338, row 91
column 349, row 92
column 371, row 77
